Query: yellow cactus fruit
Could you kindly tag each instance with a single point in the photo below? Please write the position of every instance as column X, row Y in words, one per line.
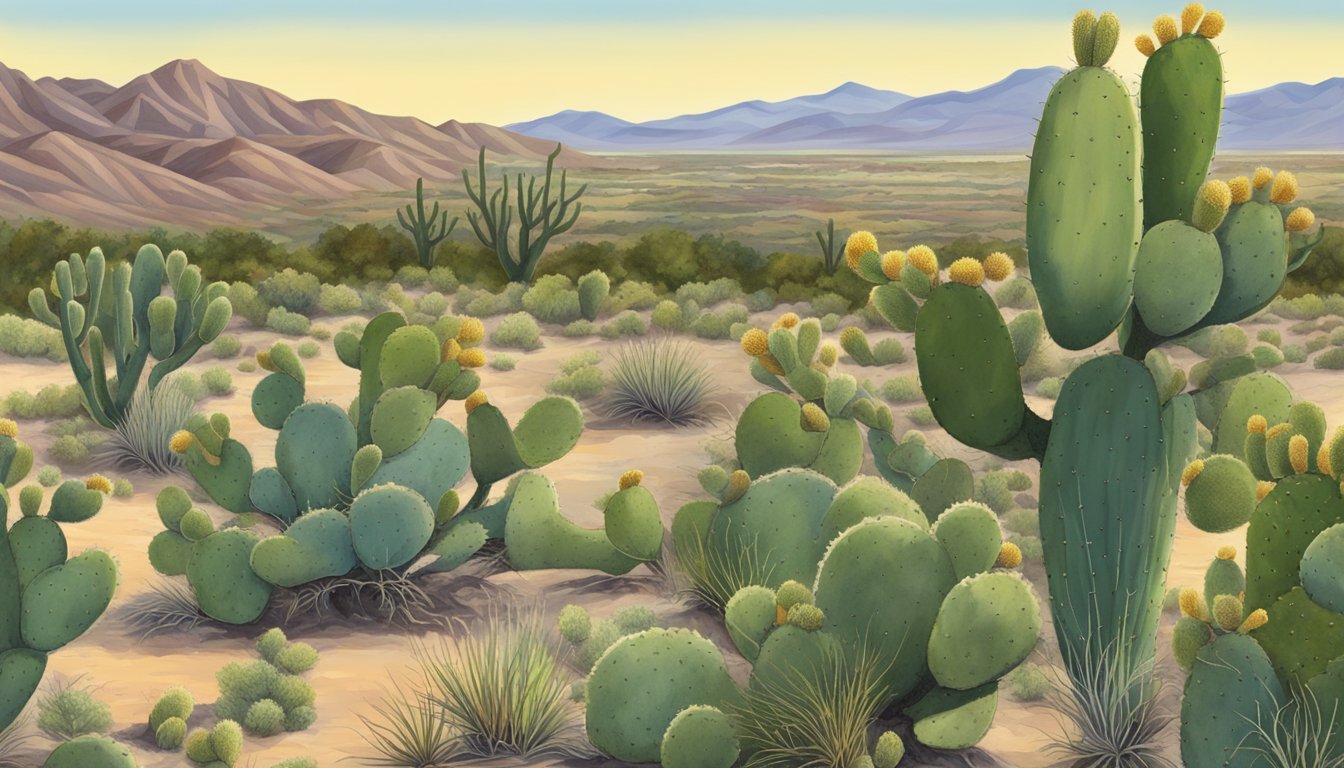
column 999, row 266
column 474, row 400
column 1300, row 220
column 857, row 245
column 1277, row 430
column 1257, row 424
column 814, row 419
column 1323, row 460
column 788, row 320
column 808, row 618
column 1190, row 18
column 1256, row 620
column 1297, row 453
column 9, row 428
column 781, row 615
column 471, row 358
column 755, row 342
column 1262, row 489
column 769, row 363
column 1215, row 197
column 1191, row 471
column 1227, row 612
column 1241, row 189
column 1212, row 25
column 264, row 360
column 967, row 271
column 1262, row 177
column 1145, row 45
column 1010, row 556
column 631, row 478
column 1166, row 30
column 892, row 261
column 1284, row 189
column 1227, row 553
column 471, row 331
column 181, row 441
column 1192, row 604
column 98, row 483
column 738, row 483
column 451, row 349
column 923, row 258
column 828, row 355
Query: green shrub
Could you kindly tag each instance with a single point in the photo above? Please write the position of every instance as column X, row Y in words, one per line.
column 1030, row 546
column 433, row 304
column 659, row 380
column 633, row 619
column 574, row 623
column 579, row 378
column 122, row 488
column 829, row 323
column 889, row 351
column 718, row 324
column 248, row 304
column 632, row 294
column 54, row 401
column 48, row 476
column 517, row 331
column 289, row 323
column 479, row 302
column 1217, row 341
column 711, row 293
column 68, row 450
column 1050, row 386
column 1308, row 307
column 1317, row 342
column 764, row 300
column 21, row 337
column 503, row 362
column 1024, row 521
column 994, row 492
column 247, row 365
column 902, row 389
column 308, row 350
column 67, row 712
column 579, row 360
column 217, row 380
column 320, row 332
column 1337, row 337
column 226, row 346
column 580, row 329
column 1306, row 326
column 1028, row 682
column 627, row 323
column 1270, row 336
column 667, row 316
column 411, row 276
column 1330, row 359
column 442, row 279
column 295, row 291
column 829, row 304
column 338, row 300
column 1267, row 356
column 1017, row 293
column 921, row 416
column 1294, row 353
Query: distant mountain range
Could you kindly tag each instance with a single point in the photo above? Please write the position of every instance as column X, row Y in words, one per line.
column 186, row 146
column 999, row 117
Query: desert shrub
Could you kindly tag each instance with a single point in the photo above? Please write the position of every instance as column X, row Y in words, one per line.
column 764, row 300
column 667, row 316
column 289, row 323
column 69, row 450
column 580, row 329
column 1270, row 336
column 711, row 293
column 1317, row 342
column 902, row 389
column 829, row 304
column 217, row 380
column 1294, row 353
column 1017, row 293
column 1308, row 307
column 48, row 476
column 247, row 365
column 993, row 491
column 268, row 695
column 1217, row 341
column 889, row 351
column 409, row 729
column 442, row 279
column 54, row 401
column 627, row 323
column 517, row 331
column 921, row 416
column 1337, row 337
column 580, row 382
column 122, row 488
column 226, row 346
column 1267, row 356
column 1050, row 386
column 631, row 294
column 68, row 711
column 411, row 276
column 248, row 304
column 479, row 302
column 190, row 384
column 308, row 350
column 659, row 380
column 21, row 337
column 1330, row 359
column 1028, row 682
column 338, row 300
column 502, row 362
column 1030, row 546
column 831, row 322
column 591, row 638
column 320, row 332
column 433, row 304
column 1023, row 521
column 1305, row 326
column 295, row 291
column 579, row 360
column 718, row 324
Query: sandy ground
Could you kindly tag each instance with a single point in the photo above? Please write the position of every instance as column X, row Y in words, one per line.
column 361, row 660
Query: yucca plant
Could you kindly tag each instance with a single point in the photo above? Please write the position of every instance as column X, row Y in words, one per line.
column 140, row 440
column 659, row 380
column 409, row 730
column 168, row 606
column 715, row 577
column 1299, row 734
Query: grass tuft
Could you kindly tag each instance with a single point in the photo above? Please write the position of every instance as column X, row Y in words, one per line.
column 140, row 442
column 168, row 606
column 659, row 380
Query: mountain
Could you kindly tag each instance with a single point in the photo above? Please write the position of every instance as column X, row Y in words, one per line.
column 998, row 117
column 183, row 145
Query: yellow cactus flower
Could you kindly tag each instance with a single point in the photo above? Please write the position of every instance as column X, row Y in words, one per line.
column 999, row 266
column 923, row 258
column 1241, row 189
column 98, row 483
column 1284, row 189
column 828, row 355
column 788, row 320
column 475, row 400
column 1192, row 604
column 1261, row 177
column 1227, row 611
column 1145, row 45
column 471, row 331
column 471, row 358
column 1212, row 25
column 892, row 261
column 1165, row 28
column 1215, row 197
column 1191, row 471
column 451, row 349
column 967, row 271
column 1227, row 553
column 1256, row 620
column 1323, row 460
column 769, row 363
column 857, row 245
column 264, row 360
column 1276, row 430
column 631, row 478
column 1297, row 453
column 1010, row 556
column 9, row 428
column 181, row 441
column 814, row 419
column 1190, row 18
column 1257, row 424
column 755, row 342
column 1262, row 489
column 1300, row 220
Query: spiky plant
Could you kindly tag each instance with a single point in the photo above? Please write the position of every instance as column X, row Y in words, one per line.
column 13, row 738
column 659, row 380
column 716, row 577
column 1299, row 734
column 168, row 606
column 408, row 730
column 69, row 710
column 140, row 441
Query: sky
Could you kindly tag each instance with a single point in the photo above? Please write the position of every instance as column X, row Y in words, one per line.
column 502, row 61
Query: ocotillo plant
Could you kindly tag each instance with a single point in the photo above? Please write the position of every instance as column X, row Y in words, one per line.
column 832, row 248
column 1213, row 252
column 541, row 216
column 133, row 322
column 426, row 231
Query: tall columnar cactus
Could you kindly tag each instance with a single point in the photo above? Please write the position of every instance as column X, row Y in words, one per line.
column 1193, row 253
column 832, row 248
column 372, row 488
column 542, row 214
column 426, row 231
column 47, row 598
column 128, row 317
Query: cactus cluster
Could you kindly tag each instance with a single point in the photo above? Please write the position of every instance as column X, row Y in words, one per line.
column 48, row 598
column 589, row 638
column 371, row 487
column 269, row 696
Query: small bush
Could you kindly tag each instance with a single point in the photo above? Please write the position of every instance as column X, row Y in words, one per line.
column 711, row 293
column 483, row 303
column 632, row 294
column 433, row 304
column 247, row 365
column 122, row 489
column 1267, row 356
column 829, row 304
column 293, row 290
column 1307, row 307
column 442, row 279
column 411, row 276
column 53, row 401
column 667, row 316
column 1050, row 386
column 1330, row 360
column 21, row 337
column 68, row 450
column 338, row 300
column 1217, row 341
column 553, row 299
column 48, row 476
column 1270, row 336
column 226, row 346
column 831, row 322
column 502, row 362
column 1023, row 521
column 307, row 350
column 580, row 329
column 1317, row 342
column 1028, row 682
column 517, row 331
column 68, row 712
column 1294, row 353
column 218, row 381
column 289, row 323
column 763, row 300
column 627, row 323
column 1017, row 293
column 633, row 619
column 1030, row 546
column 248, row 304
column 921, row 416
column 659, row 380
column 902, row 389
column 718, row 324
column 582, row 384
column 579, row 360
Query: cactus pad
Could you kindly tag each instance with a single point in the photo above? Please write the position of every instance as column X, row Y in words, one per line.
column 315, row 546
column 749, row 617
column 63, row 601
column 91, row 751
column 948, row 719
column 700, row 736
column 970, row 533
column 226, row 587
column 988, row 624
column 1231, row 684
column 1323, row 569
column 389, row 526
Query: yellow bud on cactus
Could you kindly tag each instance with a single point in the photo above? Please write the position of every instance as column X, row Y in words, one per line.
column 1276, row 430
column 1284, row 189
column 1261, row 177
column 1212, row 25
column 755, row 342
column 1227, row 553
column 808, row 618
column 781, row 615
column 892, row 261
column 98, row 483
column 1297, row 453
column 857, row 245
column 1010, row 556
column 769, row 363
column 814, row 419
column 1166, row 30
column 738, row 483
column 999, row 266
column 787, row 320
column 471, row 331
column 1300, row 220
column 451, row 349
column 1241, row 189
column 475, row 400
column 1192, row 604
column 1211, row 205
column 828, row 355
column 923, row 258
column 631, row 478
column 1256, row 620
column 1217, row 193
column 181, row 441
column 1257, row 424
column 1145, row 45
column 264, row 360
column 1262, row 489
column 9, row 428
column 967, row 271
column 1190, row 18
column 1323, row 460
column 1227, row 612
column 1191, row 471
column 471, row 358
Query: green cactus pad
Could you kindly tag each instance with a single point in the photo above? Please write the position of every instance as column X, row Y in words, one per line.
column 91, row 751
column 1188, row 636
column 749, row 617
column 1026, row 330
column 1308, row 420
column 270, row 493
column 1223, row 577
column 1282, row 527
column 780, row 518
column 945, row 483
column 841, row 454
column 221, row 576
column 1177, row 276
column 409, row 357
column 169, row 553
column 1263, row 394
column 791, row 655
column 317, row 545
column 868, row 497
column 988, row 624
column 1301, row 638
column 171, row 504
column 73, row 503
column 494, row 454
column 633, row 525
column 389, row 526
column 537, row 536
column 226, row 482
column 1230, row 687
column 967, row 366
column 431, row 467
column 970, row 533
column 1222, row 496
column 769, row 436
column 690, row 530
column 1181, row 106
column 400, row 417
column 1322, row 569
column 367, row 460
column 37, row 544
column 951, row 719
column 548, row 430
column 895, row 304
column 63, row 601
column 313, row 452
column 275, row 398
column 700, row 737
column 1254, row 261
column 20, row 673
column 457, row 544
column 643, row 682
